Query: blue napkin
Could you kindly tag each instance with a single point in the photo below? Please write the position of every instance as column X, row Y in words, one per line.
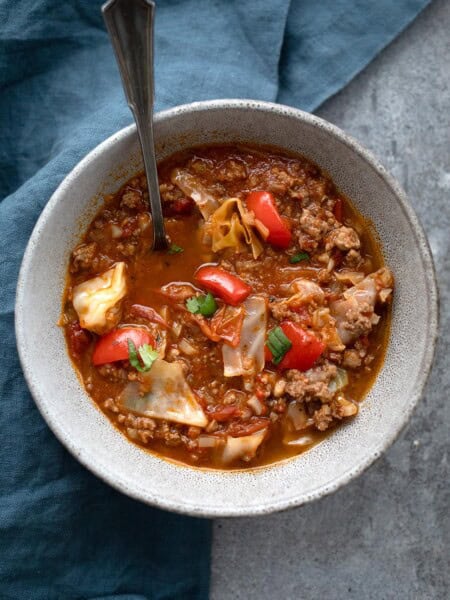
column 63, row 533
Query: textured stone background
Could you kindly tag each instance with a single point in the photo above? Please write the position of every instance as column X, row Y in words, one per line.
column 385, row 535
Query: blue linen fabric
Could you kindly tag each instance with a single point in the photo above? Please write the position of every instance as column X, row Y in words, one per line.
column 63, row 533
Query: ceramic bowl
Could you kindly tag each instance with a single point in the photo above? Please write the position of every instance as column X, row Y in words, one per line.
column 88, row 434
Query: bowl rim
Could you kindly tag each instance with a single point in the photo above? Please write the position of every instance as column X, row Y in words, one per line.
column 433, row 316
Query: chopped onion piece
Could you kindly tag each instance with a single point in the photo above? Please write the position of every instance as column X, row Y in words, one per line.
column 325, row 325
column 176, row 328
column 306, row 291
column 242, row 447
column 256, row 405
column 165, row 313
column 304, row 440
column 208, row 441
column 384, row 294
column 297, row 416
column 346, row 408
column 116, row 231
column 339, row 382
column 187, row 348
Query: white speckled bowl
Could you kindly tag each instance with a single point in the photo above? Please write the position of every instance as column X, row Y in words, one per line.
column 88, row 434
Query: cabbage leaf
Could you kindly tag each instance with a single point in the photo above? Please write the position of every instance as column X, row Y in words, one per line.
column 168, row 396
column 231, row 226
column 98, row 300
column 247, row 358
column 190, row 185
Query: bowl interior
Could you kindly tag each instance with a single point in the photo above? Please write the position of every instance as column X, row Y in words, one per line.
column 89, row 435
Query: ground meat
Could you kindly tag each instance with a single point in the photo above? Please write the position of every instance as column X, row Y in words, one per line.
column 132, row 199
column 352, row 258
column 339, row 408
column 315, row 222
column 352, row 360
column 139, row 422
column 323, row 417
column 231, row 170
column 113, row 372
column 281, row 312
column 358, row 320
column 312, row 224
column 169, row 433
column 312, row 385
column 279, row 181
column 170, row 192
column 84, row 257
column 127, row 248
column 343, row 238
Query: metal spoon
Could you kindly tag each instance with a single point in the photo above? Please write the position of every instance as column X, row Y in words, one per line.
column 130, row 27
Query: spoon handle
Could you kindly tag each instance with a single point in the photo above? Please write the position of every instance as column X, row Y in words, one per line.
column 130, row 27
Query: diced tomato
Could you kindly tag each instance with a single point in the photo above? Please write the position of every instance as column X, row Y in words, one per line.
column 228, row 287
column 338, row 210
column 306, row 348
column 259, row 392
column 265, row 210
column 148, row 313
column 175, row 208
column 239, row 429
column 78, row 339
column 225, row 413
column 113, row 346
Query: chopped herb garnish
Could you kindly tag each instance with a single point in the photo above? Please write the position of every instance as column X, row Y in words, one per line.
column 204, row 305
column 192, row 305
column 296, row 258
column 146, row 353
column 174, row 249
column 278, row 344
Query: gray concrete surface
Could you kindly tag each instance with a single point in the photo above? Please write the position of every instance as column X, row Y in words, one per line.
column 386, row 535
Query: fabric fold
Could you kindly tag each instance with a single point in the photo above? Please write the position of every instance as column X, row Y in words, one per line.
column 328, row 43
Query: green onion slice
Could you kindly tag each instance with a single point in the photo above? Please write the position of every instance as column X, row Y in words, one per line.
column 146, row 353
column 203, row 305
column 174, row 249
column 296, row 258
column 278, row 344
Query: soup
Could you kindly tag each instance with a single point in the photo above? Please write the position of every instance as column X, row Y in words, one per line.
column 255, row 334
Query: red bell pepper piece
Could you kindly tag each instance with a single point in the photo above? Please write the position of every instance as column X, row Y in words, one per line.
column 113, row 346
column 306, row 348
column 265, row 210
column 228, row 287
